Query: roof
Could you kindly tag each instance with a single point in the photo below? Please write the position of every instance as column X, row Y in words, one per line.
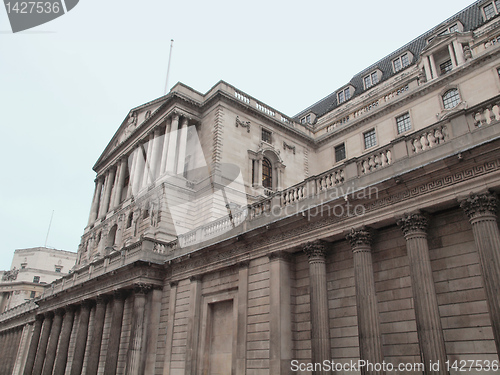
column 470, row 18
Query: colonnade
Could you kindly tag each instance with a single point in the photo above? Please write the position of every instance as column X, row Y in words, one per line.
column 49, row 349
column 162, row 151
column 481, row 210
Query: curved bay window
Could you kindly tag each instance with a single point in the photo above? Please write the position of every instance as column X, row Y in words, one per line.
column 267, row 174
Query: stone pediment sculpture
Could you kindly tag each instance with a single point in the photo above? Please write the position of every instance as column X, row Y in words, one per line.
column 10, row 275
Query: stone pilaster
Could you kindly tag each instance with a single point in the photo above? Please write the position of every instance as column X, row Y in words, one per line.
column 241, row 338
column 482, row 212
column 136, row 357
column 170, row 327
column 193, row 325
column 115, row 333
column 370, row 343
column 430, row 333
column 42, row 345
column 81, row 342
column 62, row 352
column 50, row 357
column 320, row 328
column 280, row 346
column 96, row 337
column 35, row 337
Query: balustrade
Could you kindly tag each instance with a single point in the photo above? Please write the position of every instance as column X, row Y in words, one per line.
column 378, row 160
column 429, row 138
column 486, row 115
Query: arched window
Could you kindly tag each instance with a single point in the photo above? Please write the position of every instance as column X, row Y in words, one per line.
column 267, row 174
column 451, row 98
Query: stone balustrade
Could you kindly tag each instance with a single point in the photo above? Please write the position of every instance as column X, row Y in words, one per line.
column 18, row 310
column 330, row 179
column 428, row 139
column 293, row 194
column 379, row 159
column 485, row 115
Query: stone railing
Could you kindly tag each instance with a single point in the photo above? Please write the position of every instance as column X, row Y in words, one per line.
column 259, row 208
column 428, row 138
column 329, row 179
column 18, row 310
column 487, row 114
column 293, row 194
column 377, row 160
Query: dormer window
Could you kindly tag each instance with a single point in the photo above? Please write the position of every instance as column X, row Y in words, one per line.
column 371, row 80
column 491, row 9
column 344, row 95
column 306, row 119
column 446, row 67
column 401, row 62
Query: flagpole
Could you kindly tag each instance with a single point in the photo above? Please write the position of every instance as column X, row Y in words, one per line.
column 168, row 68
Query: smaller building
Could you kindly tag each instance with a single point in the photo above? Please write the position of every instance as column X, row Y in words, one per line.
column 31, row 270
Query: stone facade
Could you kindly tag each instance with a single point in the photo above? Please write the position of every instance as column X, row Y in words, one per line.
column 31, row 271
column 227, row 238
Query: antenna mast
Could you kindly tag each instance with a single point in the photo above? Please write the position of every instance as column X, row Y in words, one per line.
column 168, row 68
column 50, row 223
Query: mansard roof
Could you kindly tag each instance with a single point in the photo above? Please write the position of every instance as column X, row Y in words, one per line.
column 470, row 18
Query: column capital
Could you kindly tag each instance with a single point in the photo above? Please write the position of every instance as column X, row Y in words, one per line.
column 119, row 294
column 70, row 308
column 315, row 250
column 413, row 223
column 175, row 116
column 101, row 299
column 243, row 264
column 40, row 317
column 48, row 314
column 142, row 288
column 360, row 238
column 174, row 283
column 480, row 205
column 279, row 255
column 195, row 278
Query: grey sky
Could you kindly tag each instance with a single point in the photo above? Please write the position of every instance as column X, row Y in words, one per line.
column 67, row 85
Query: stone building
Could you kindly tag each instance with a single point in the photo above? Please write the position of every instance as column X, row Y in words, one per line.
column 31, row 271
column 227, row 238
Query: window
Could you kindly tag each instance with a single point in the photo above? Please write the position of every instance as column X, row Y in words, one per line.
column 489, row 10
column 344, row 94
column 267, row 174
column 451, row 98
column 130, row 219
column 498, row 72
column 371, row 80
column 306, row 120
column 401, row 62
column 36, row 279
column 453, row 28
column 446, row 67
column 403, row 123
column 370, row 138
column 145, row 214
column 340, row 152
column 58, row 269
column 266, row 136
column 32, row 294
column 23, row 265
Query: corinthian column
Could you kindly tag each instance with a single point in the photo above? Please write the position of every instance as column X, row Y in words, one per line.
column 154, row 156
column 50, row 357
column 370, row 345
column 430, row 333
column 182, row 146
column 119, row 182
column 81, row 342
column 320, row 328
column 136, row 358
column 42, row 345
column 95, row 342
column 96, row 201
column 164, row 150
column 62, row 352
column 172, row 144
column 482, row 212
column 30, row 359
column 110, row 179
column 146, row 178
column 115, row 333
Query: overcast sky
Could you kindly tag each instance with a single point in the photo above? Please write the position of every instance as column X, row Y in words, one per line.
column 67, row 85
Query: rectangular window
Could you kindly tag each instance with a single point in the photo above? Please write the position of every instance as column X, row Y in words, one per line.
column 344, row 95
column 341, row 97
column 371, row 80
column 266, row 136
column 32, row 294
column 36, row 279
column 370, row 138
column 308, row 119
column 58, row 269
column 340, row 152
column 397, row 65
column 446, row 67
column 403, row 123
column 489, row 11
column 405, row 60
column 454, row 28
